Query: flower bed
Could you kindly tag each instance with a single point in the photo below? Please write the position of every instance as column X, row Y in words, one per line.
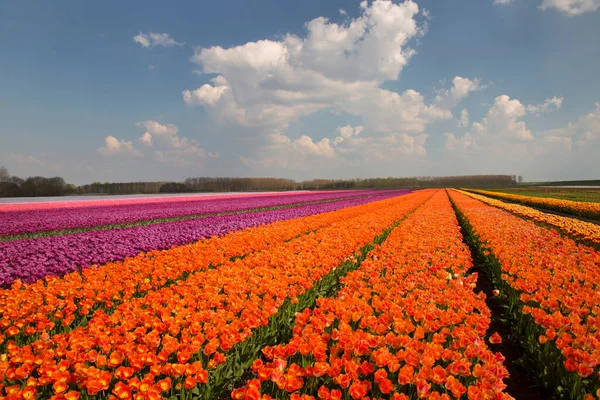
column 32, row 259
column 552, row 290
column 406, row 324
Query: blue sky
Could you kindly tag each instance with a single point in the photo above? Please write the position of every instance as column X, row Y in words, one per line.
column 121, row 91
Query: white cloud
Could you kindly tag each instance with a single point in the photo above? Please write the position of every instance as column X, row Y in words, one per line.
column 270, row 84
column 146, row 139
column 548, row 105
column 152, row 39
column 571, row 7
column 349, row 148
column 170, row 148
column 464, row 118
column 501, row 133
column 412, row 145
column 346, row 132
column 114, row 146
column 501, row 127
column 464, row 143
column 349, row 131
column 461, row 87
column 321, row 148
column 266, row 85
column 582, row 132
column 164, row 143
column 157, row 129
column 502, row 120
column 206, row 95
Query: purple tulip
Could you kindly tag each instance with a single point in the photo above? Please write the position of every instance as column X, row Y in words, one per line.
column 36, row 258
column 20, row 222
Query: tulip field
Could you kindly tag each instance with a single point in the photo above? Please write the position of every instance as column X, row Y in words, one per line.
column 349, row 294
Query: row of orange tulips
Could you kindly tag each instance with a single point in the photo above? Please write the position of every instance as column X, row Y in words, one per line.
column 552, row 287
column 193, row 336
column 580, row 230
column 579, row 208
column 57, row 303
column 406, row 324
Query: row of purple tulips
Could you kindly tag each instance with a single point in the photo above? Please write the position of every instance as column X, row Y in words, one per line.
column 31, row 259
column 19, row 222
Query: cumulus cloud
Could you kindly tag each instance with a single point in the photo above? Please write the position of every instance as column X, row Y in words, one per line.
column 464, row 143
column 346, row 132
column 152, row 39
column 114, row 146
column 409, row 145
column 502, row 133
column 571, row 7
column 548, row 105
column 162, row 141
column 158, row 129
column 169, row 147
column 270, row 84
column 349, row 147
column 146, row 139
column 321, row 148
column 502, row 119
column 349, row 131
column 568, row 7
column 581, row 132
column 501, row 124
column 340, row 67
column 461, row 87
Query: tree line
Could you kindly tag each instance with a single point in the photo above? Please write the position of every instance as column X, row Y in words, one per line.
column 415, row 182
column 12, row 186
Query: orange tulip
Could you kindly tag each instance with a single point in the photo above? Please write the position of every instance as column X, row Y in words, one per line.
column 398, row 315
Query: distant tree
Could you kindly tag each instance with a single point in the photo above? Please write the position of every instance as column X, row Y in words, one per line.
column 16, row 180
column 4, row 181
column 71, row 189
column 4, row 175
column 175, row 187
